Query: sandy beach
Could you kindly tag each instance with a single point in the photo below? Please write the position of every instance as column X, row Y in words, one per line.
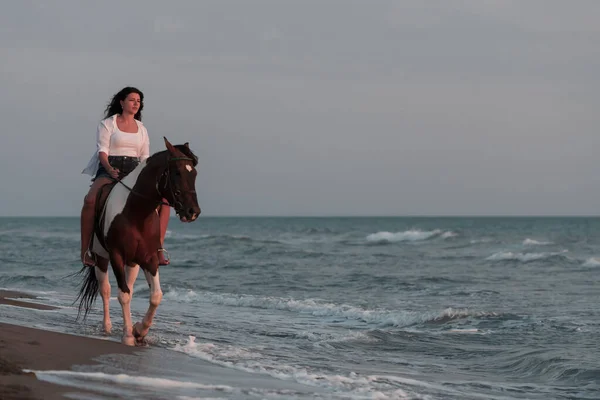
column 23, row 348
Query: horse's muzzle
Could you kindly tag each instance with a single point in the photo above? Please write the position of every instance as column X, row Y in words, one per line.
column 189, row 215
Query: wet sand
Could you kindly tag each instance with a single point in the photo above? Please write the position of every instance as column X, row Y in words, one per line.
column 34, row 349
column 20, row 299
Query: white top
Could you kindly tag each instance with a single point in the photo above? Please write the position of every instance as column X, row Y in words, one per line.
column 114, row 142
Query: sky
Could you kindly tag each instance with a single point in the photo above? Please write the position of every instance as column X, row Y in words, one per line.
column 314, row 108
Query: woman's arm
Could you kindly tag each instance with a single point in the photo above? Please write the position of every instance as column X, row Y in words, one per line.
column 103, row 144
column 145, row 147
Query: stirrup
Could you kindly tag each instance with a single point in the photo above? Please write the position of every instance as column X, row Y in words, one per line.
column 167, row 257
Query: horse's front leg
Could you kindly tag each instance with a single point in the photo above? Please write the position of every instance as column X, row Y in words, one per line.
column 116, row 259
column 140, row 330
column 101, row 270
column 132, row 272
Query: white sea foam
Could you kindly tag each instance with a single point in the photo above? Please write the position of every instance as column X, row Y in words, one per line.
column 592, row 262
column 124, row 379
column 453, row 313
column 412, row 235
column 533, row 242
column 362, row 386
column 200, row 398
column 448, row 235
column 483, row 240
column 523, row 257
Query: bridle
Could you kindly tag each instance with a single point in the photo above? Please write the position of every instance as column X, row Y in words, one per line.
column 175, row 195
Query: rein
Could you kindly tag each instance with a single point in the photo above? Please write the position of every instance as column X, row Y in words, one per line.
column 167, row 173
column 142, row 195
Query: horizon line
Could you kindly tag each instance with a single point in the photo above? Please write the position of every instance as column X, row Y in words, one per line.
column 354, row 216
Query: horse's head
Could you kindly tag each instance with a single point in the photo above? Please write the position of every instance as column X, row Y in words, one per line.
column 180, row 188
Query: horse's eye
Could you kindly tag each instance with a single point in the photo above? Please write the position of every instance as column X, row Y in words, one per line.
column 177, row 192
column 177, row 172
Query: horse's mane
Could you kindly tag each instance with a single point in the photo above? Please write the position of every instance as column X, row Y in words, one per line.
column 162, row 155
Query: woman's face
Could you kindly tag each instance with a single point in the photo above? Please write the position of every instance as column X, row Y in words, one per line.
column 131, row 104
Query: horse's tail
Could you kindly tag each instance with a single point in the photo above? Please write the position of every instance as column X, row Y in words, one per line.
column 88, row 291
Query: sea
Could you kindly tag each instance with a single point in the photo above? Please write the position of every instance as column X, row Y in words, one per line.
column 337, row 308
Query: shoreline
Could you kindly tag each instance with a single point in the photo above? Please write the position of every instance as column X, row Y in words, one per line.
column 24, row 348
column 43, row 364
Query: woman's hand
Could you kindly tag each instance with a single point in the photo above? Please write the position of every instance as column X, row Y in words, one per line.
column 113, row 172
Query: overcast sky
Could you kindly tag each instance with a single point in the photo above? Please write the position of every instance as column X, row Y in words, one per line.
column 314, row 107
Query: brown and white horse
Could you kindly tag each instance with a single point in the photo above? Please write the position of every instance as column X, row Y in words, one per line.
column 127, row 233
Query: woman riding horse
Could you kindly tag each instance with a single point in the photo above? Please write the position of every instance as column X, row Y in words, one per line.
column 128, row 233
column 122, row 143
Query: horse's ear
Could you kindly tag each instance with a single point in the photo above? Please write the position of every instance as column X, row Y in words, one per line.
column 169, row 145
column 187, row 144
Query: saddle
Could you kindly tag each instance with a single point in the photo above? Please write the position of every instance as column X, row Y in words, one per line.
column 101, row 198
column 125, row 166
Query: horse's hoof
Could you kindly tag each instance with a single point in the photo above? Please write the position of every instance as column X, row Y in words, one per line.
column 139, row 338
column 136, row 330
column 128, row 340
column 139, row 330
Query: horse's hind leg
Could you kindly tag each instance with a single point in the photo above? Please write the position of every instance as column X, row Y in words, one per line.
column 124, row 297
column 101, row 270
column 140, row 330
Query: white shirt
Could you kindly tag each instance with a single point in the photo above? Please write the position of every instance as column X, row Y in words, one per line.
column 114, row 142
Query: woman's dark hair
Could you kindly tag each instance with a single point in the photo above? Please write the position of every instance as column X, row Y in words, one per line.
column 114, row 107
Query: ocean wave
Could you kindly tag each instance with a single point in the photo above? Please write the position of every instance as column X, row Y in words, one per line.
column 591, row 262
column 477, row 293
column 448, row 235
column 226, row 355
column 445, row 390
column 225, row 237
column 525, row 257
column 318, row 308
column 225, row 240
column 44, row 235
column 319, row 231
column 412, row 235
column 548, row 366
column 451, row 314
column 533, row 242
column 18, row 280
column 336, row 340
